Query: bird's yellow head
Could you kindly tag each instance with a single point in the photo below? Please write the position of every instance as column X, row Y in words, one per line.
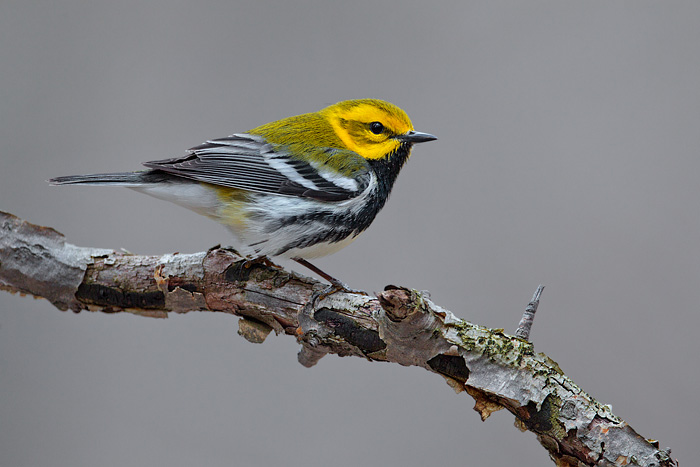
column 369, row 127
column 372, row 128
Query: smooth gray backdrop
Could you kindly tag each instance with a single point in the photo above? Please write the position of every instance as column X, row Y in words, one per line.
column 568, row 155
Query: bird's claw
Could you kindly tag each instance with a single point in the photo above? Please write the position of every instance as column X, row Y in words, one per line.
column 334, row 287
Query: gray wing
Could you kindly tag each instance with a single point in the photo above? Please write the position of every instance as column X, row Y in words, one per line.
column 248, row 162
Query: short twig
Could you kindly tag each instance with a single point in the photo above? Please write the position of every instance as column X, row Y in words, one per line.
column 523, row 331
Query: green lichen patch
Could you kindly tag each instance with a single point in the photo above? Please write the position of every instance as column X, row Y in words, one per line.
column 494, row 344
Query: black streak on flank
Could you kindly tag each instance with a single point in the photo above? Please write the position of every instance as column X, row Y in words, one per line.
column 366, row 340
column 108, row 296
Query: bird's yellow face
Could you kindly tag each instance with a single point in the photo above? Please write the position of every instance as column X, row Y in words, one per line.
column 368, row 127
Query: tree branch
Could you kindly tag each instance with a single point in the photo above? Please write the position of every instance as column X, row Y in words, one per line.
column 400, row 325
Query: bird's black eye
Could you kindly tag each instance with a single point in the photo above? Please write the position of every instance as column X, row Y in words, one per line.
column 376, row 127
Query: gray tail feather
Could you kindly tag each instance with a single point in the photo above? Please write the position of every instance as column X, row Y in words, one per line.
column 114, row 179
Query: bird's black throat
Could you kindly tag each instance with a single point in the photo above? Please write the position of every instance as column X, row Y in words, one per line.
column 341, row 225
column 387, row 169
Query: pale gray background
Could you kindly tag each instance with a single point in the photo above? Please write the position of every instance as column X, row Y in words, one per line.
column 568, row 155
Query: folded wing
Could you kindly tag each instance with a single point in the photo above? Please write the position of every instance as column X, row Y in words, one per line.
column 248, row 162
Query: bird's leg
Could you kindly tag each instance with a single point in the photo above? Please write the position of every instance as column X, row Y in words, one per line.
column 336, row 285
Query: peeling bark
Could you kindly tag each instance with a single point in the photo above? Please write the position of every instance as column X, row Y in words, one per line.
column 400, row 325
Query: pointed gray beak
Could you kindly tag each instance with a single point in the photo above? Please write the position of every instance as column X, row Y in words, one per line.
column 416, row 137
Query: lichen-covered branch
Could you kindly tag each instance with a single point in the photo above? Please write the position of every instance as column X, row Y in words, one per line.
column 400, row 325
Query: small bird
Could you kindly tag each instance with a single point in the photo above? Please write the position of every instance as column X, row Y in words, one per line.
column 301, row 187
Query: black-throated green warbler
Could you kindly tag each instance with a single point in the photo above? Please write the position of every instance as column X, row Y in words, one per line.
column 300, row 187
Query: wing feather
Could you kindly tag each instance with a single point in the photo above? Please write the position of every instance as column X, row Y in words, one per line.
column 248, row 162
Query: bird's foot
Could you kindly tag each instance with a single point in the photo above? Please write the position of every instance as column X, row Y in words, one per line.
column 335, row 286
column 338, row 286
